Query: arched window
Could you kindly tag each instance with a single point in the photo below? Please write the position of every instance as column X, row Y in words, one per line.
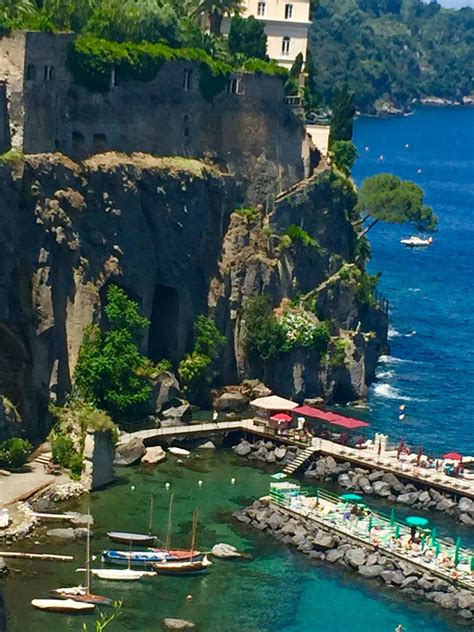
column 285, row 45
column 261, row 9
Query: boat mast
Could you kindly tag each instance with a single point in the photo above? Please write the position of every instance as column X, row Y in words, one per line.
column 193, row 534
column 150, row 523
column 88, row 553
column 170, row 525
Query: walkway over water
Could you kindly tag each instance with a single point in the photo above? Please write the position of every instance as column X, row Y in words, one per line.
column 367, row 458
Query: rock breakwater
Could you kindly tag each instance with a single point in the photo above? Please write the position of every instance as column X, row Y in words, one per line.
column 323, row 545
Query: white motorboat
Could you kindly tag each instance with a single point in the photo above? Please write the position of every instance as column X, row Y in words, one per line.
column 120, row 574
column 416, row 242
column 62, row 605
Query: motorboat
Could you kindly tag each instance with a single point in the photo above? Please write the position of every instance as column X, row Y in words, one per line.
column 137, row 539
column 120, row 574
column 416, row 242
column 62, row 605
column 191, row 567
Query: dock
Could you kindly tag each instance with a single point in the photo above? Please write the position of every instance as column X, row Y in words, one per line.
column 360, row 457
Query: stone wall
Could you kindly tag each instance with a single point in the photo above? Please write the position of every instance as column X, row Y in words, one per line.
column 99, row 453
column 254, row 133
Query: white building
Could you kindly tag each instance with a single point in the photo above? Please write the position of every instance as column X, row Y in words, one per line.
column 286, row 25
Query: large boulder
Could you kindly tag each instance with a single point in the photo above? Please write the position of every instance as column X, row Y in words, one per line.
column 409, row 498
column 243, row 448
column 63, row 534
column 165, row 392
column 280, row 452
column 253, row 389
column 371, row 571
column 355, row 557
column 154, row 455
column 129, row 451
column 393, row 481
column 381, row 488
column 224, row 551
column 178, row 412
column 231, row 403
column 207, row 445
column 178, row 624
column 465, row 505
column 323, row 541
column 334, row 555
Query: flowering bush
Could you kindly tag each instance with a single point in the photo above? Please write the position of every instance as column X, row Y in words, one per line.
column 303, row 330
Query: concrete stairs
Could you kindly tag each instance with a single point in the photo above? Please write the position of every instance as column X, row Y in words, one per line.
column 299, row 461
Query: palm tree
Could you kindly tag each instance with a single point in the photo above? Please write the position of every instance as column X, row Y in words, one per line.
column 216, row 9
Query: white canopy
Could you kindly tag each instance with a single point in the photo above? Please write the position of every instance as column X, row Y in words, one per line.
column 273, row 402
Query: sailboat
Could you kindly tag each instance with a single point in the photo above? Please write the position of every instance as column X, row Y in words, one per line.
column 62, row 605
column 82, row 593
column 138, row 539
column 122, row 574
column 192, row 566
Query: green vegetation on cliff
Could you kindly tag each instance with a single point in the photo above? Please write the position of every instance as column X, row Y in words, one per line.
column 14, row 453
column 392, row 50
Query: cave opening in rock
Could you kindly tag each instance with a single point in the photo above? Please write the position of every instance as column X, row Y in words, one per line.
column 164, row 323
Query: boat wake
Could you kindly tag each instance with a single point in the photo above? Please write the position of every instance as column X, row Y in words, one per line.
column 386, row 391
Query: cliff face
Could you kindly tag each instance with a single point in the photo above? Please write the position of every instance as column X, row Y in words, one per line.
column 163, row 229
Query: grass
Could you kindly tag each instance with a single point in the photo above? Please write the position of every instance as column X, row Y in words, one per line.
column 11, row 156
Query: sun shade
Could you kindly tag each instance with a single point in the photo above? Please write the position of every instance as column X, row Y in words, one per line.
column 281, row 417
column 331, row 418
column 273, row 402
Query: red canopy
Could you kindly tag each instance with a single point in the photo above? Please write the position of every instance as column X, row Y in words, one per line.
column 281, row 417
column 453, row 456
column 331, row 418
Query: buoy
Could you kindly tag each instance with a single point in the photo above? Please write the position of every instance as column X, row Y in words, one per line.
column 381, row 157
column 419, row 171
column 366, row 149
column 200, row 483
column 132, row 487
column 232, row 481
column 189, row 597
column 401, row 417
column 402, row 407
column 167, row 485
column 407, row 145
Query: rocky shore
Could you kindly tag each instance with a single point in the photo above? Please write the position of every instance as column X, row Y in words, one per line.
column 370, row 482
column 389, row 572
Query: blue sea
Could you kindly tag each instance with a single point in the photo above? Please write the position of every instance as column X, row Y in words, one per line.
column 431, row 290
column 276, row 589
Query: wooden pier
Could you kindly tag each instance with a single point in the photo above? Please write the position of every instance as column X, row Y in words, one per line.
column 365, row 458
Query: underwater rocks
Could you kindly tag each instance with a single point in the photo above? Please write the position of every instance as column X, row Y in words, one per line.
column 322, row 544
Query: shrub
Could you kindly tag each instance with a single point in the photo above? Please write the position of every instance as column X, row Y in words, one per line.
column 337, row 352
column 265, row 337
column 260, row 66
column 344, row 154
column 251, row 214
column 299, row 235
column 247, row 36
column 14, row 452
column 62, row 449
column 302, row 330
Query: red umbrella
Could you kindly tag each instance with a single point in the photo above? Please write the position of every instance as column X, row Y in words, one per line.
column 281, row 417
column 452, row 456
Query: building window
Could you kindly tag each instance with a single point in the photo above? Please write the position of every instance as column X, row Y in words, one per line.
column 236, row 86
column 48, row 73
column 187, row 79
column 285, row 46
column 30, row 72
column 288, row 11
column 261, row 8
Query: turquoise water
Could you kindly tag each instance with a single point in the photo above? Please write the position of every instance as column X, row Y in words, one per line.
column 431, row 291
column 275, row 589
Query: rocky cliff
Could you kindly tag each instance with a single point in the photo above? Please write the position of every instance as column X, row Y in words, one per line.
column 165, row 231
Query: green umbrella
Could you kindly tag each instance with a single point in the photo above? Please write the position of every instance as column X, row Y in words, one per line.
column 457, row 551
column 354, row 497
column 397, row 531
column 422, row 543
column 434, row 533
column 472, row 563
column 278, row 476
column 437, row 549
column 392, row 517
column 370, row 523
column 417, row 521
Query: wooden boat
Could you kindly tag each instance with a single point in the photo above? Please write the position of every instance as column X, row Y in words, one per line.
column 120, row 574
column 137, row 539
column 145, row 558
column 83, row 593
column 62, row 605
column 191, row 567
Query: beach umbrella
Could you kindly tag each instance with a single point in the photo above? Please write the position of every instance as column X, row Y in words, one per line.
column 452, row 456
column 354, row 497
column 397, row 531
column 472, row 563
column 278, row 476
column 434, row 533
column 437, row 549
column 370, row 523
column 457, row 551
column 416, row 521
column 422, row 543
column 392, row 517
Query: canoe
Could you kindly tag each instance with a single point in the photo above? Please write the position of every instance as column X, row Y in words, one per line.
column 120, row 574
column 79, row 593
column 139, row 539
column 62, row 605
column 179, row 451
column 182, row 568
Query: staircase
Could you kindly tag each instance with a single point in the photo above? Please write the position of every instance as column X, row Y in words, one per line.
column 299, row 461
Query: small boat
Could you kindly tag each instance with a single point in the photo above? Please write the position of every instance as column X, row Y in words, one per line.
column 191, row 567
column 144, row 558
column 62, row 605
column 179, row 451
column 80, row 593
column 138, row 539
column 121, row 574
column 416, row 242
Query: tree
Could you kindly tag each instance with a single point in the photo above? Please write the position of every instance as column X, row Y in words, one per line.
column 247, row 37
column 311, row 98
column 110, row 371
column 215, row 11
column 343, row 111
column 344, row 154
column 387, row 198
column 292, row 84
